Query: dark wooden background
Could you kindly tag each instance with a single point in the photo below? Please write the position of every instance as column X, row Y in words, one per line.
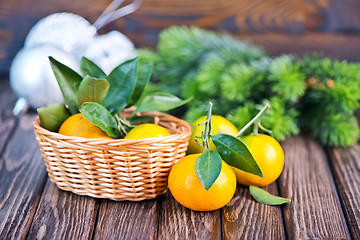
column 291, row 26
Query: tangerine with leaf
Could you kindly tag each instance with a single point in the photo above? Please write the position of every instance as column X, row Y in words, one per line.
column 77, row 125
column 187, row 189
column 206, row 182
column 266, row 151
column 219, row 124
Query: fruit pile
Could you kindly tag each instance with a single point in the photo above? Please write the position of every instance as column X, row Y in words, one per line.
column 205, row 180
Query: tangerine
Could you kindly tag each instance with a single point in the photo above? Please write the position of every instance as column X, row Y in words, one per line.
column 219, row 125
column 187, row 189
column 268, row 154
column 147, row 130
column 77, row 125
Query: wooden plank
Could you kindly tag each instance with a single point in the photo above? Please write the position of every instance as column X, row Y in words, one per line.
column 127, row 220
column 63, row 215
column 315, row 211
column 276, row 44
column 293, row 18
column 345, row 165
column 178, row 222
column 7, row 121
column 22, row 178
column 244, row 218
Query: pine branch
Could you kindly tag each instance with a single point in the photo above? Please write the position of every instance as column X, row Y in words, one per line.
column 320, row 93
column 287, row 78
column 282, row 121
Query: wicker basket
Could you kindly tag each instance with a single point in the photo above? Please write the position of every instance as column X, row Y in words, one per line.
column 121, row 169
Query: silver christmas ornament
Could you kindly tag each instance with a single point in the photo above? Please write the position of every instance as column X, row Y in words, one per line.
column 66, row 37
column 109, row 50
column 31, row 76
column 67, row 31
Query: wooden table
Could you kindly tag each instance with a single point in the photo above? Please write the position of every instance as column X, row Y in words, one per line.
column 323, row 184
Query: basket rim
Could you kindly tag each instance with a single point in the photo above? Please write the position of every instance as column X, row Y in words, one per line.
column 183, row 123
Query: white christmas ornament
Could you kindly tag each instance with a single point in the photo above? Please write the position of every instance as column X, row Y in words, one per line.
column 67, row 31
column 109, row 50
column 66, row 37
column 31, row 76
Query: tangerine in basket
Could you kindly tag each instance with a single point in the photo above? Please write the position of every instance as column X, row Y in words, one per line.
column 147, row 130
column 187, row 189
column 77, row 125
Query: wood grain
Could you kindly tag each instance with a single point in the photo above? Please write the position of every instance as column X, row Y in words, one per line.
column 22, row 178
column 127, row 220
column 258, row 18
column 63, row 215
column 7, row 121
column 244, row 218
column 178, row 222
column 315, row 211
column 329, row 44
column 345, row 165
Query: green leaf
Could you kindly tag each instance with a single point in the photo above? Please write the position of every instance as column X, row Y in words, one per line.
column 69, row 81
column 208, row 168
column 141, row 119
column 143, row 75
column 235, row 153
column 159, row 102
column 262, row 196
column 122, row 82
column 88, row 67
column 101, row 117
column 92, row 90
column 52, row 116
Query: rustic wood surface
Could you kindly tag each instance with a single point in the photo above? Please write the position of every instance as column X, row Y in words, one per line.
column 323, row 185
column 178, row 222
column 296, row 26
column 128, row 220
column 7, row 121
column 63, row 215
column 346, row 167
column 315, row 211
column 251, row 219
column 22, row 177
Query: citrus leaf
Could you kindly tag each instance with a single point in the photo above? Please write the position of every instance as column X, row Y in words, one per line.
column 53, row 115
column 122, row 82
column 101, row 117
column 92, row 90
column 143, row 75
column 208, row 168
column 69, row 81
column 262, row 196
column 159, row 102
column 88, row 67
column 141, row 119
column 235, row 153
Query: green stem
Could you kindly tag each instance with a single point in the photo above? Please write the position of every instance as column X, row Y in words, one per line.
column 206, row 134
column 256, row 128
column 263, row 128
column 256, row 121
column 207, row 131
column 123, row 126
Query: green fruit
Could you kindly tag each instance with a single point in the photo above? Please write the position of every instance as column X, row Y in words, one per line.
column 52, row 116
